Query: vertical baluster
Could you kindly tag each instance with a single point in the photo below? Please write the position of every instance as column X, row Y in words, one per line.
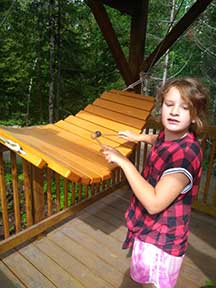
column 109, row 183
column 86, row 191
column 103, row 185
column 113, row 178
column 97, row 188
column 38, row 194
column 3, row 198
column 121, row 175
column 73, row 193
column 209, row 171
column 27, row 192
column 49, row 191
column 16, row 199
column 118, row 176
column 92, row 189
column 137, row 155
column 57, row 184
column 203, row 146
column 145, row 150
column 65, row 193
column 132, row 156
column 79, row 192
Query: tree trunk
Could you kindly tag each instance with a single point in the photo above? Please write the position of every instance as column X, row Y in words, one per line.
column 29, row 93
column 171, row 24
column 59, row 44
column 39, row 93
column 52, row 61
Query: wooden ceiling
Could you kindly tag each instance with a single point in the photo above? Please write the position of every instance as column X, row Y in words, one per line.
column 137, row 10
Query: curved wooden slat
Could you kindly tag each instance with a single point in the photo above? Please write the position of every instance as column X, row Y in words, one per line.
column 123, row 110
column 129, row 101
column 105, row 122
column 132, row 95
column 115, row 116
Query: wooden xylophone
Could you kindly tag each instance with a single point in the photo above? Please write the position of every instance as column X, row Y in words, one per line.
column 68, row 147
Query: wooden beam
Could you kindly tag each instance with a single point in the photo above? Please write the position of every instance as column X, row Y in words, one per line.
column 127, row 6
column 38, row 194
column 137, row 38
column 105, row 25
column 178, row 30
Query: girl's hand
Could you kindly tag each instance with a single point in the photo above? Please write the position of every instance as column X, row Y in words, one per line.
column 112, row 155
column 129, row 135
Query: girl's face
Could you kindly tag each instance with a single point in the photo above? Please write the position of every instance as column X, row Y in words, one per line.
column 175, row 114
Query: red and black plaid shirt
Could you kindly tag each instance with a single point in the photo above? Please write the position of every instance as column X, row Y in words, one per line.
column 168, row 229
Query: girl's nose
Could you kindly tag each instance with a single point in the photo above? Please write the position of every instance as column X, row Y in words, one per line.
column 175, row 110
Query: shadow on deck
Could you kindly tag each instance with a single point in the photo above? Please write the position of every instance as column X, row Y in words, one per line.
column 85, row 251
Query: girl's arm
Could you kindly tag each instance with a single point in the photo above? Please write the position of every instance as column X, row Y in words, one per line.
column 154, row 199
column 134, row 137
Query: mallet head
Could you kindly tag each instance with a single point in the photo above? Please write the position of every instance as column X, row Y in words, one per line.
column 96, row 134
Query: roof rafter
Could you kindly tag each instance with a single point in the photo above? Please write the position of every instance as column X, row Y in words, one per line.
column 138, row 37
column 177, row 31
column 105, row 25
column 138, row 10
column 130, row 8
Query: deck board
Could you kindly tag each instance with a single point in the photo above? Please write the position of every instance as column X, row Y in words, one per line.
column 70, row 264
column 85, row 251
column 25, row 271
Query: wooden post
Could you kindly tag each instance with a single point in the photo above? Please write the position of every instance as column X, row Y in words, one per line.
column 57, row 182
column 38, row 194
column 49, row 191
column 27, row 192
column 3, row 198
column 15, row 191
column 73, row 192
column 65, row 193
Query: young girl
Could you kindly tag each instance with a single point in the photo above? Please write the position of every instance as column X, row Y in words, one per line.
column 159, row 211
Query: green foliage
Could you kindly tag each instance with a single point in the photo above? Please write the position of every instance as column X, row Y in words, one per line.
column 84, row 66
column 208, row 284
column 16, row 121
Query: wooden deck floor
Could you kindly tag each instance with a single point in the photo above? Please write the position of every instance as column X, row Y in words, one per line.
column 86, row 252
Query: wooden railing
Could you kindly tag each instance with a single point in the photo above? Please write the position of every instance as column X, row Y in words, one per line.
column 33, row 199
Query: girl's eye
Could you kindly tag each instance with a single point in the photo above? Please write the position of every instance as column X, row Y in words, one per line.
column 185, row 107
column 168, row 104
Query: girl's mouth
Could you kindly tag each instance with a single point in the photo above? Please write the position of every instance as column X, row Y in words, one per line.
column 172, row 121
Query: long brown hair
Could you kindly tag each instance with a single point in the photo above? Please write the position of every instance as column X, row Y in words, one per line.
column 194, row 93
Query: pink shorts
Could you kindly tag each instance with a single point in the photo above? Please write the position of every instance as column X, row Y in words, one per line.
column 150, row 264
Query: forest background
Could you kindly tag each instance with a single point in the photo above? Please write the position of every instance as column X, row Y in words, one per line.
column 54, row 59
